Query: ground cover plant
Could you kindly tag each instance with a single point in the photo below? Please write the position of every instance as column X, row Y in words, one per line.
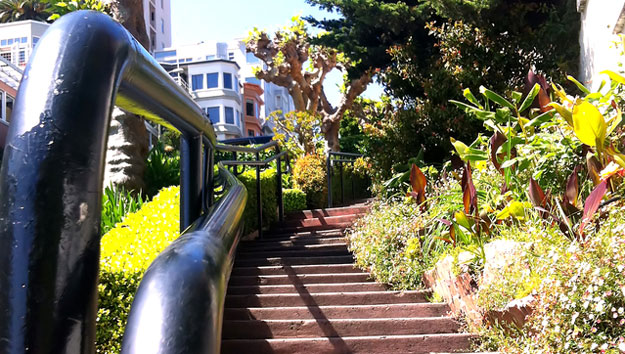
column 546, row 174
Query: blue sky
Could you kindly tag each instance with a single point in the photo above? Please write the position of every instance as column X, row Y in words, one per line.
column 202, row 20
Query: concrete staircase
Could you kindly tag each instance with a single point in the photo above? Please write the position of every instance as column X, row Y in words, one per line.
column 297, row 291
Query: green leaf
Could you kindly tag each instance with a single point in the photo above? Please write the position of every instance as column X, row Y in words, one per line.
column 578, row 84
column 614, row 76
column 491, row 95
column 588, row 124
column 469, row 96
column 540, row 119
column 564, row 112
column 529, row 99
column 509, row 163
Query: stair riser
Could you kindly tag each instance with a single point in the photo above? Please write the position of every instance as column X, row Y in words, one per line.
column 333, row 220
column 309, row 288
column 319, row 213
column 288, row 230
column 323, row 299
column 305, row 237
column 338, row 312
column 406, row 344
column 336, row 328
column 296, row 270
column 279, row 246
column 294, row 253
column 293, row 261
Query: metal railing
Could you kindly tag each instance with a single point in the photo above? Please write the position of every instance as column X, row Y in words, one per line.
column 50, row 200
column 339, row 158
column 258, row 164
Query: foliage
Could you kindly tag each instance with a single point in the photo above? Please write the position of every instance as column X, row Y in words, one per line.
column 45, row 10
column 126, row 252
column 309, row 175
column 294, row 199
column 356, row 182
column 387, row 242
column 59, row 8
column 116, row 204
column 162, row 168
column 292, row 61
column 298, row 132
column 268, row 185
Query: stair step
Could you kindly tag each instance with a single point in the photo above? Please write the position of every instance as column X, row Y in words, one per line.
column 305, row 288
column 326, row 299
column 288, row 246
column 318, row 252
column 291, row 261
column 294, row 229
column 317, row 213
column 417, row 344
column 345, row 267
column 319, row 221
column 299, row 279
column 255, row 329
column 332, row 312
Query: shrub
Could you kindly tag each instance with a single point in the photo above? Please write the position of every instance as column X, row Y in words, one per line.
column 293, row 199
column 126, row 252
column 268, row 197
column 386, row 241
column 162, row 168
column 116, row 203
column 309, row 175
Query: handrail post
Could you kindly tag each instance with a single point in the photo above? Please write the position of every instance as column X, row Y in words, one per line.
column 279, row 181
column 342, row 189
column 329, row 177
column 190, row 179
column 259, row 202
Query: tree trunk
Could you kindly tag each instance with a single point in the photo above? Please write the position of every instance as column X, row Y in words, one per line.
column 331, row 134
column 127, row 147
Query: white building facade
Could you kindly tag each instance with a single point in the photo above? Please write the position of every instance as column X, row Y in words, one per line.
column 157, row 15
column 602, row 22
column 203, row 67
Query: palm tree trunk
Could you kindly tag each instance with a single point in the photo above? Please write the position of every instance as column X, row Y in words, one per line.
column 127, row 147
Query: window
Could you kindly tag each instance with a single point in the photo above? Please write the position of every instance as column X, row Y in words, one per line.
column 250, row 132
column 162, row 26
column 209, row 57
column 213, row 114
column 249, row 108
column 10, row 41
column 24, row 39
column 152, row 16
column 3, row 42
column 278, row 101
column 7, row 56
column 164, row 54
column 229, row 115
column 256, row 107
column 230, row 55
column 162, row 4
column 228, row 81
column 22, row 57
column 35, row 40
column 197, row 82
column 212, row 80
column 236, row 84
column 238, row 118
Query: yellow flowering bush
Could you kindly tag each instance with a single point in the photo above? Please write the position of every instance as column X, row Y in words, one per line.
column 309, row 175
column 126, row 252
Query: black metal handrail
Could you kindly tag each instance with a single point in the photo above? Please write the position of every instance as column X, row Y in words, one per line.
column 258, row 164
column 50, row 200
column 343, row 157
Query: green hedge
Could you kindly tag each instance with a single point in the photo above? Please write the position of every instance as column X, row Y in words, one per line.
column 294, row 199
column 126, row 252
column 360, row 183
column 268, row 189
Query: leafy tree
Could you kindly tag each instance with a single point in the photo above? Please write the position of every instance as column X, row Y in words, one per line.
column 286, row 54
column 59, row 8
column 20, row 10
